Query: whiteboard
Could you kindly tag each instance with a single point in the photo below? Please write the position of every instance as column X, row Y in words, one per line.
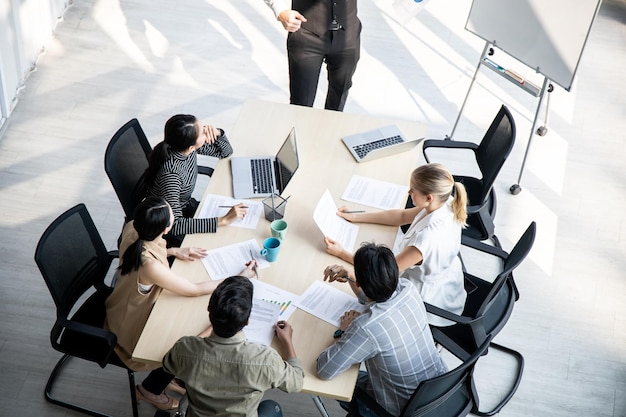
column 547, row 35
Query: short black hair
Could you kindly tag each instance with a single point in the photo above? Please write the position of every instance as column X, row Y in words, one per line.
column 376, row 271
column 230, row 306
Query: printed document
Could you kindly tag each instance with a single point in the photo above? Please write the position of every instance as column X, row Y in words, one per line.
column 285, row 300
column 231, row 260
column 212, row 207
column 333, row 226
column 328, row 303
column 375, row 193
column 263, row 317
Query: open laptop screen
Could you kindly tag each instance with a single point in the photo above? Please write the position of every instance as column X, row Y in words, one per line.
column 286, row 161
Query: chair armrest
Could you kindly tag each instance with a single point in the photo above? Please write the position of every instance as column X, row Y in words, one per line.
column 104, row 337
column 204, row 170
column 483, row 247
column 450, row 144
column 446, row 314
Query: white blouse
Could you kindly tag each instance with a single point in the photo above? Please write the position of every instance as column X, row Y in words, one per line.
column 439, row 277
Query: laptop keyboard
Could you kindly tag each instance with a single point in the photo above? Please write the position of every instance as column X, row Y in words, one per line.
column 262, row 175
column 364, row 149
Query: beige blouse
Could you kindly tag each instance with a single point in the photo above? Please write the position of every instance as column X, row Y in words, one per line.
column 127, row 308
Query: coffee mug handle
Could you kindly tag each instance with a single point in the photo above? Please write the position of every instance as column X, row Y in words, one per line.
column 263, row 252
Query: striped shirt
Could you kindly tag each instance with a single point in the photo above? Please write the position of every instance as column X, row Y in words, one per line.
column 395, row 342
column 176, row 180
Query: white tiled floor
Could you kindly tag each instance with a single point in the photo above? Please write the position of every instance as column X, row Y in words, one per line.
column 110, row 61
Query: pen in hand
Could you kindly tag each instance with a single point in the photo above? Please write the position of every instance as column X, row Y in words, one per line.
column 254, row 267
column 354, row 211
column 231, row 206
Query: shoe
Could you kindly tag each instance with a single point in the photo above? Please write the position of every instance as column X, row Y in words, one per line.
column 172, row 403
column 176, row 386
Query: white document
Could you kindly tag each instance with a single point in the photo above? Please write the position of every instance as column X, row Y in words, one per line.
column 231, row 260
column 333, row 226
column 285, row 300
column 375, row 193
column 328, row 303
column 211, row 208
column 263, row 317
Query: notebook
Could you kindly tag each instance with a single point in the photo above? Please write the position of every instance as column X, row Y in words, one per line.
column 262, row 176
column 378, row 143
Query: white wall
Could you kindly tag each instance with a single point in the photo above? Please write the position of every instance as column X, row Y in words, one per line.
column 24, row 28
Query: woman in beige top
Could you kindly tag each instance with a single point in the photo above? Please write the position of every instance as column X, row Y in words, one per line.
column 143, row 273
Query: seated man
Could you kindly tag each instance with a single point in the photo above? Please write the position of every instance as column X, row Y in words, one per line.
column 224, row 374
column 391, row 336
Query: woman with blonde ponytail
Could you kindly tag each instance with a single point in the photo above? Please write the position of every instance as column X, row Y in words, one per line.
column 428, row 252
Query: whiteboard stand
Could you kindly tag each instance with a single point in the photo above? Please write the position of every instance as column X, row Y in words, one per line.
column 517, row 80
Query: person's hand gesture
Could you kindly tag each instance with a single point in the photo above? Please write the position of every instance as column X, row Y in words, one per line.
column 211, row 133
column 238, row 211
column 333, row 247
column 250, row 271
column 189, row 253
column 347, row 318
column 336, row 273
column 284, row 331
column 291, row 20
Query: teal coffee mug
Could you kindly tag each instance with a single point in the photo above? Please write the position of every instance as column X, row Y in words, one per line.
column 279, row 229
column 271, row 246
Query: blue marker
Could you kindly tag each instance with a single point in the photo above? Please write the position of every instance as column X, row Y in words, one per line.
column 493, row 64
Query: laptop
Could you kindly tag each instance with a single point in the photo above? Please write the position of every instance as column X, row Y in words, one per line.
column 378, row 143
column 262, row 176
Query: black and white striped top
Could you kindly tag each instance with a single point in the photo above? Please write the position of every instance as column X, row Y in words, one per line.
column 176, row 180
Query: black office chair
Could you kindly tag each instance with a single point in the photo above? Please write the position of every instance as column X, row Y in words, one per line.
column 451, row 394
column 487, row 309
column 74, row 262
column 125, row 161
column 490, row 154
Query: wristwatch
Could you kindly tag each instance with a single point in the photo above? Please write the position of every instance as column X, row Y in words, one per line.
column 337, row 333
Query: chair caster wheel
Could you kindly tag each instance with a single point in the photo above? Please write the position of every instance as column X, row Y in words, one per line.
column 515, row 189
column 542, row 130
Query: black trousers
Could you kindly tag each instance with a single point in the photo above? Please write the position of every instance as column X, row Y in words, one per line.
column 307, row 51
column 157, row 381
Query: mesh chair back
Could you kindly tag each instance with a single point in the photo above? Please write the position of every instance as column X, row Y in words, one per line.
column 498, row 304
column 495, row 148
column 450, row 394
column 125, row 161
column 71, row 257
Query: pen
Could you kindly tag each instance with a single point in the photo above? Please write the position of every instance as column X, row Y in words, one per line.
column 254, row 267
column 354, row 211
column 231, row 206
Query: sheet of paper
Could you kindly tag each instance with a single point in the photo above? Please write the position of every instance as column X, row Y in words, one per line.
column 285, row 300
column 375, row 193
column 231, row 260
column 211, row 208
column 263, row 317
column 333, row 226
column 327, row 302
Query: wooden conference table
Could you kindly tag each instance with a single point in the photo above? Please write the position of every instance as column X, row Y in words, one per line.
column 325, row 163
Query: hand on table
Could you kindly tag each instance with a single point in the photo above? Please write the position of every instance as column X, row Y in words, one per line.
column 238, row 211
column 347, row 318
column 250, row 271
column 188, row 253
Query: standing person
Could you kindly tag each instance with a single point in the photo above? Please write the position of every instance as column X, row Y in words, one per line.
column 320, row 31
column 173, row 170
column 224, row 374
column 429, row 249
column 391, row 336
column 143, row 273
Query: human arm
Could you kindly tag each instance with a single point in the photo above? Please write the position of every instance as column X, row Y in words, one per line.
column 290, row 19
column 284, row 334
column 396, row 217
column 341, row 274
column 216, row 143
column 187, row 253
column 351, row 348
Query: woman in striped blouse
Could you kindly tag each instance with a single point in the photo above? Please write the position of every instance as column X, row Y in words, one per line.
column 173, row 170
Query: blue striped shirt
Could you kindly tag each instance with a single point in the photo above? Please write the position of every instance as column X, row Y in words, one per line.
column 176, row 180
column 395, row 342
